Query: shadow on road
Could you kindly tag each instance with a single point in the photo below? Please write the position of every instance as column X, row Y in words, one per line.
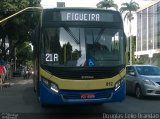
column 147, row 98
column 61, row 111
column 152, row 98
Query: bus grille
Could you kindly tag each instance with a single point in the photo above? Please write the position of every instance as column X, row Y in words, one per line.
column 74, row 73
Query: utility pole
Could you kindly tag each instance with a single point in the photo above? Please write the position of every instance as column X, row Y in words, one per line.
column 15, row 58
column 27, row 8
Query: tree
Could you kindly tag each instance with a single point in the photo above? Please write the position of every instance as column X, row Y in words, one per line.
column 24, row 53
column 129, row 8
column 16, row 29
column 107, row 4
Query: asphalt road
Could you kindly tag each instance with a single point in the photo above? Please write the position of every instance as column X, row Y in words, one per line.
column 19, row 101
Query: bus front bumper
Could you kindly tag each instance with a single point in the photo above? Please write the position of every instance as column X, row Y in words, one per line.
column 47, row 96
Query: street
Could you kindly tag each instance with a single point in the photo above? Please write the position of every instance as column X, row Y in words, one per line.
column 20, row 99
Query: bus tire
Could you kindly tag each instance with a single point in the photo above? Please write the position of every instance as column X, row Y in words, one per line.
column 44, row 105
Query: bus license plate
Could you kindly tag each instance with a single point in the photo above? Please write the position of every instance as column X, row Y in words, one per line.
column 88, row 96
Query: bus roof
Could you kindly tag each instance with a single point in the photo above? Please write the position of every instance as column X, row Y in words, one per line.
column 79, row 8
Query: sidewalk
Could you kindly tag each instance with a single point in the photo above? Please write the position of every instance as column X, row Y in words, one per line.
column 13, row 81
column 9, row 82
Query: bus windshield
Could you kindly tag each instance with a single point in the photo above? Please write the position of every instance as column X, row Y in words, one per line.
column 82, row 47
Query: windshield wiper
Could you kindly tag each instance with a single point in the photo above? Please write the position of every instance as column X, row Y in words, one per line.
column 46, row 38
column 72, row 35
column 99, row 35
column 46, row 35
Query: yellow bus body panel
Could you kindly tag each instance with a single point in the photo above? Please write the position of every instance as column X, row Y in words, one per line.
column 88, row 84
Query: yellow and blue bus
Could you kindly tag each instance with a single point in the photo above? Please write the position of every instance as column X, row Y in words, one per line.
column 79, row 56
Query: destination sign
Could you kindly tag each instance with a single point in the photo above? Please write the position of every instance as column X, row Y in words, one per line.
column 79, row 15
column 82, row 16
column 70, row 15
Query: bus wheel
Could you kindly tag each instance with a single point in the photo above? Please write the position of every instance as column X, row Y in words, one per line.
column 44, row 105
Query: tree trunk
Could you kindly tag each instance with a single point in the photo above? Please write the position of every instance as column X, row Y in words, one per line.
column 130, row 43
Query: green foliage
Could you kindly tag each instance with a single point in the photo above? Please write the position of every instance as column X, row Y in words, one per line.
column 138, row 61
column 128, row 8
column 29, row 64
column 107, row 4
column 24, row 53
column 17, row 28
column 134, row 59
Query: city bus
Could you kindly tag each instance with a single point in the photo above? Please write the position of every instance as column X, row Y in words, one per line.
column 79, row 56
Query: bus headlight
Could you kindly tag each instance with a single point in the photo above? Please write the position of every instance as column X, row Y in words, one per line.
column 117, row 85
column 51, row 85
column 54, row 87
